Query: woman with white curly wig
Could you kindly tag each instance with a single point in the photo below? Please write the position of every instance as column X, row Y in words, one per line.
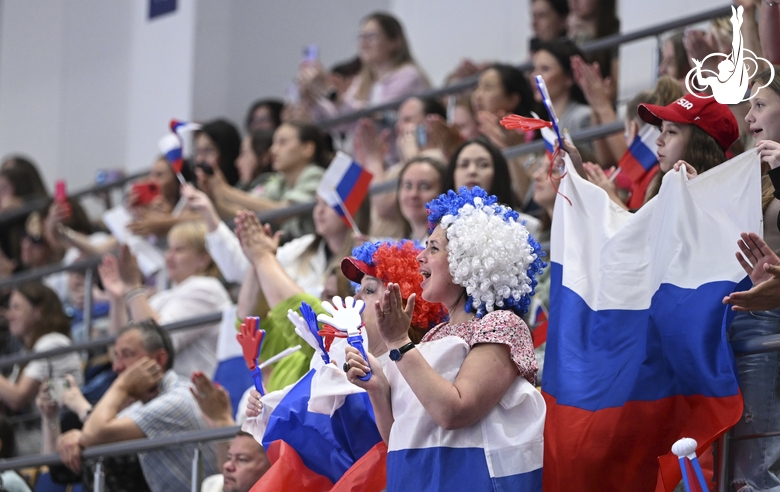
column 459, row 410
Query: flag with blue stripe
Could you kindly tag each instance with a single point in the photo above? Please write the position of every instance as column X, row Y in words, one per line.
column 637, row 353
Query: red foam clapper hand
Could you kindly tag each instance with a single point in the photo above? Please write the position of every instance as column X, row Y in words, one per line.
column 251, row 341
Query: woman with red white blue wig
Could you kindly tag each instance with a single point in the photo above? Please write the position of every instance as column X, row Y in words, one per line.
column 459, row 410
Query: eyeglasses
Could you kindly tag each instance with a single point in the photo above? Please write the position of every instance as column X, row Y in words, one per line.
column 368, row 36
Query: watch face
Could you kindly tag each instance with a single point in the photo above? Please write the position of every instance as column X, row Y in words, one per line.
column 395, row 355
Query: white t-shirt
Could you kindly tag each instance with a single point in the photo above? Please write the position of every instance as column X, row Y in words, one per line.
column 214, row 483
column 195, row 349
column 225, row 249
column 60, row 365
column 12, row 482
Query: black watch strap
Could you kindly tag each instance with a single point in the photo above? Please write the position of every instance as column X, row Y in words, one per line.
column 396, row 354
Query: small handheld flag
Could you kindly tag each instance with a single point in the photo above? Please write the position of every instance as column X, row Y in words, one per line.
column 344, row 186
column 641, row 155
column 550, row 110
column 251, row 340
column 170, row 147
column 182, row 127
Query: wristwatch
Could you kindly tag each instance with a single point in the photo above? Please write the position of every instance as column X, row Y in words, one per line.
column 396, row 354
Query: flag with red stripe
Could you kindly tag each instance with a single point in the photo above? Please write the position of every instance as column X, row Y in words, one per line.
column 345, row 183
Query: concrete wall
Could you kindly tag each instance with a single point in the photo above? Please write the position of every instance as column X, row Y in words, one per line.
column 246, row 50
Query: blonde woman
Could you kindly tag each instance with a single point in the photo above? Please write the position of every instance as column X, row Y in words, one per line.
column 195, row 291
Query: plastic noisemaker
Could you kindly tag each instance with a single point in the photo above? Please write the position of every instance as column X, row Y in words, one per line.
column 345, row 316
column 524, row 123
column 550, row 110
column 311, row 321
column 251, row 341
column 693, row 478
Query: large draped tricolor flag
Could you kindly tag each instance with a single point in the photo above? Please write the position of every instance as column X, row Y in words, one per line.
column 637, row 354
column 320, row 434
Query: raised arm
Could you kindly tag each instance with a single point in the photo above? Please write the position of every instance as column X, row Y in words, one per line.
column 214, row 403
column 50, row 418
column 18, row 395
column 122, row 279
column 260, row 246
column 597, row 92
column 483, row 379
column 763, row 267
column 221, row 242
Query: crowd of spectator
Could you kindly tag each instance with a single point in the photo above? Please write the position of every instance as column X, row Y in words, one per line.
column 194, row 248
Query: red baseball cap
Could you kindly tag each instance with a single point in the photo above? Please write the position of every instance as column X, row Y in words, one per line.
column 704, row 111
column 354, row 269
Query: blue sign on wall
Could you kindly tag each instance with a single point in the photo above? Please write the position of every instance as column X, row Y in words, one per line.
column 161, row 7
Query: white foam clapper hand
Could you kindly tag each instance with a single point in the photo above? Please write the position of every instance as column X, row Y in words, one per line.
column 344, row 315
column 302, row 329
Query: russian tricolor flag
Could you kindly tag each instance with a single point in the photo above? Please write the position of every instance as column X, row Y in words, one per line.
column 549, row 137
column 170, row 147
column 344, row 184
column 637, row 353
column 501, row 452
column 640, row 164
column 181, row 127
column 320, row 433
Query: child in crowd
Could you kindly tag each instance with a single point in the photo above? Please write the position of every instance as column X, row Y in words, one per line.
column 755, row 460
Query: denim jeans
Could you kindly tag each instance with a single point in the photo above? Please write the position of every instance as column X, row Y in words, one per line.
column 755, row 463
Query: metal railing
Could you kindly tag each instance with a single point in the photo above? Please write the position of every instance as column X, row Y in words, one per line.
column 461, row 86
column 89, row 264
column 40, row 203
column 129, row 447
column 10, row 361
column 596, row 45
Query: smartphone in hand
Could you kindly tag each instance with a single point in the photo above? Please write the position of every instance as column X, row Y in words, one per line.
column 311, row 53
column 421, row 133
column 60, row 195
column 144, row 192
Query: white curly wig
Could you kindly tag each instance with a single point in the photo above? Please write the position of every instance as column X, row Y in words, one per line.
column 490, row 252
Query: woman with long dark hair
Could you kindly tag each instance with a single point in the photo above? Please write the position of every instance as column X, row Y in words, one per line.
column 36, row 317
